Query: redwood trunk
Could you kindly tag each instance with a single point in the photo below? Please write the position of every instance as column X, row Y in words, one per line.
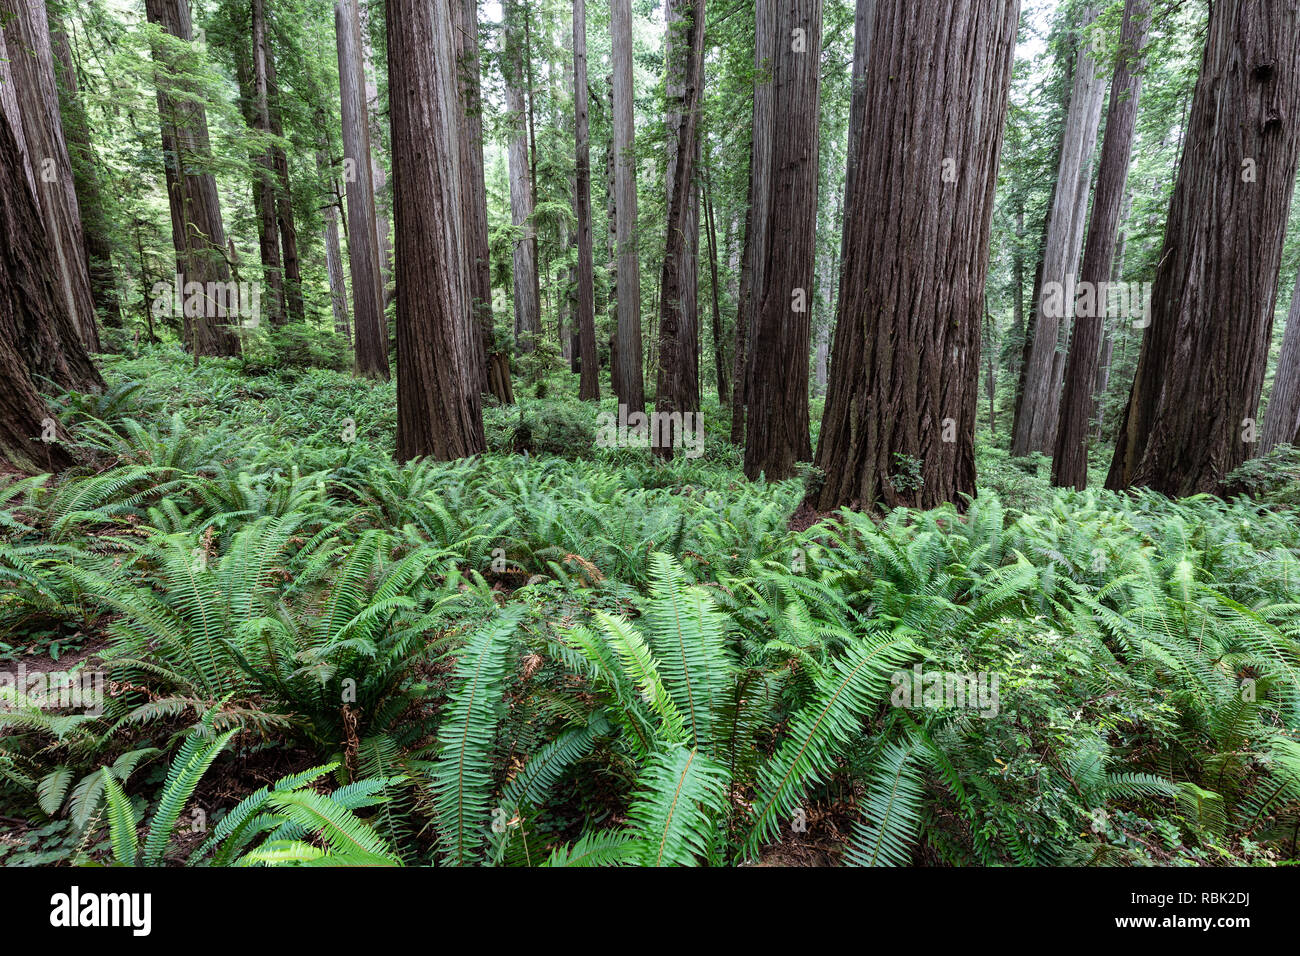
column 589, row 383
column 1070, row 461
column 363, row 241
column 1193, row 402
column 629, row 373
column 197, row 230
column 438, row 407
column 906, row 356
column 785, row 250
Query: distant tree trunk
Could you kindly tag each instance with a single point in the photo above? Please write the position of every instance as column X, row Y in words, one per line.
column 719, row 349
column 285, row 219
column 27, row 38
column 334, row 266
column 678, row 391
column 1070, row 461
column 589, row 383
column 85, row 165
column 611, row 237
column 528, row 320
column 197, row 230
column 756, row 219
column 1191, row 410
column 30, row 319
column 776, row 436
column 264, row 183
column 378, row 177
column 438, row 406
column 494, row 377
column 903, row 386
column 363, row 240
column 1035, row 428
column 630, row 376
column 677, row 53
column 740, row 345
column 1282, row 417
column 1102, row 381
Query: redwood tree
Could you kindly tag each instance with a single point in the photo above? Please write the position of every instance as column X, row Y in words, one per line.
column 370, row 324
column 1070, row 461
column 899, row 427
column 627, row 355
column 589, row 383
column 197, row 230
column 777, row 429
column 493, row 361
column 1034, row 429
column 1191, row 412
column 27, row 38
column 438, row 402
column 678, row 390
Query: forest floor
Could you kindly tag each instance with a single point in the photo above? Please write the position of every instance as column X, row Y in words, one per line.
column 241, row 554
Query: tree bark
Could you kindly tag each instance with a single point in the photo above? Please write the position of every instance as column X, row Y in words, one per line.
column 719, row 359
column 438, row 405
column 589, row 382
column 528, row 321
column 30, row 308
column 756, row 218
column 904, row 370
column 197, row 229
column 1282, row 417
column 363, row 240
column 27, row 38
column 494, row 363
column 264, row 183
column 1035, row 426
column 678, row 389
column 285, row 218
column 1193, row 402
column 629, row 373
column 1070, row 460
column 678, row 53
column 786, row 248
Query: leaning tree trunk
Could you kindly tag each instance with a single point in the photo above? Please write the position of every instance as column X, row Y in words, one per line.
column 589, row 382
column 378, row 177
column 630, row 380
column 786, row 250
column 363, row 241
column 1070, row 461
column 31, row 315
column 27, row 38
column 438, row 405
column 1035, row 426
column 899, row 427
column 1191, row 410
column 197, row 230
column 1282, row 417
